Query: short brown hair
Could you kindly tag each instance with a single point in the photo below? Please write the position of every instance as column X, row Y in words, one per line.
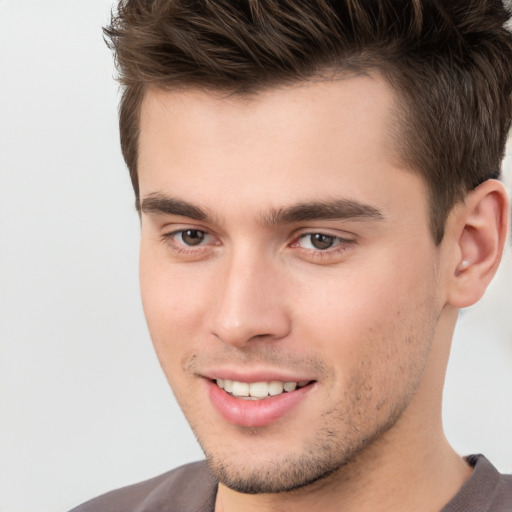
column 449, row 60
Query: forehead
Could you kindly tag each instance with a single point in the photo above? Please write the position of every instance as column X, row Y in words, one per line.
column 340, row 110
column 296, row 143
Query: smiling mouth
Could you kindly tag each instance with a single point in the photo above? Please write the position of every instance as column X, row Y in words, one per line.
column 259, row 390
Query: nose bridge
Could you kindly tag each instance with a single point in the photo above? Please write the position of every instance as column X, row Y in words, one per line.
column 248, row 303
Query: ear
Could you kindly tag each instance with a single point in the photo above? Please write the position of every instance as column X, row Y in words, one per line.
column 479, row 228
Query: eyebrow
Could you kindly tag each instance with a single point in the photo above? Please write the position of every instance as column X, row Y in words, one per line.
column 165, row 205
column 337, row 209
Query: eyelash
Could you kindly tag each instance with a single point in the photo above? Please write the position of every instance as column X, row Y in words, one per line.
column 341, row 244
column 182, row 248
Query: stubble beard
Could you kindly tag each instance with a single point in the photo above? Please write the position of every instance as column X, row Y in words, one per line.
column 347, row 432
column 353, row 428
column 342, row 437
column 329, row 453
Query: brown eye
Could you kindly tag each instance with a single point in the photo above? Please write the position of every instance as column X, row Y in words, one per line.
column 319, row 241
column 192, row 236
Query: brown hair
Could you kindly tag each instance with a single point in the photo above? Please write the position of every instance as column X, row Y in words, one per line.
column 450, row 61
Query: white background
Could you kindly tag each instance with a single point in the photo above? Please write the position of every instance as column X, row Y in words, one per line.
column 84, row 406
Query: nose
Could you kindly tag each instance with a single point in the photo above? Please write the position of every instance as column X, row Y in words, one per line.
column 250, row 302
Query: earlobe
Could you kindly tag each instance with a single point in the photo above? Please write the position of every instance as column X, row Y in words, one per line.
column 481, row 226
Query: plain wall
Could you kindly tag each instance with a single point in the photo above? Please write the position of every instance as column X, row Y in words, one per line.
column 84, row 405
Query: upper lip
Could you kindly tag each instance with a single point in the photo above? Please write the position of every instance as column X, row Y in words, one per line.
column 254, row 375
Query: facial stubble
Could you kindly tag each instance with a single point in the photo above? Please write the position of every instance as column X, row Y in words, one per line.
column 337, row 443
column 354, row 423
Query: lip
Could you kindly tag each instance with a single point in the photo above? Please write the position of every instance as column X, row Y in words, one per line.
column 255, row 413
column 250, row 376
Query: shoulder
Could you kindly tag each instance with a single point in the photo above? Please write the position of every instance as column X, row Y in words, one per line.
column 486, row 490
column 188, row 488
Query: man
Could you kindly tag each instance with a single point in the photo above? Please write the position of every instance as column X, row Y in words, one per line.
column 318, row 190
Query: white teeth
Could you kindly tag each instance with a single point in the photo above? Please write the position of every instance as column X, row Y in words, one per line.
column 258, row 390
column 240, row 388
column 290, row 386
column 275, row 388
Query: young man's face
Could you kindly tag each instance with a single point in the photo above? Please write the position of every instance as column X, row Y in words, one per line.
column 281, row 243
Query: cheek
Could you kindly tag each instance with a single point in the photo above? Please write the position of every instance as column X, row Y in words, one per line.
column 174, row 303
column 373, row 327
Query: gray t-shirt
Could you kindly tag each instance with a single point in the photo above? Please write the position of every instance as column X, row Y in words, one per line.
column 192, row 488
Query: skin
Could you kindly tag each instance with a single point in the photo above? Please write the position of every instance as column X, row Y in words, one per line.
column 369, row 319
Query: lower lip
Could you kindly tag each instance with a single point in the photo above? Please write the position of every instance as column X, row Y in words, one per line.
column 255, row 413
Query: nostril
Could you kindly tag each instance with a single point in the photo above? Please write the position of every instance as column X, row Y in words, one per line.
column 262, row 336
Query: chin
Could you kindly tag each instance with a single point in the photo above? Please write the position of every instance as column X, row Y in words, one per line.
column 279, row 465
column 274, row 476
column 268, row 471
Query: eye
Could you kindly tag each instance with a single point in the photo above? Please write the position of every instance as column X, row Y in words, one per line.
column 183, row 239
column 189, row 243
column 318, row 241
column 191, row 237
